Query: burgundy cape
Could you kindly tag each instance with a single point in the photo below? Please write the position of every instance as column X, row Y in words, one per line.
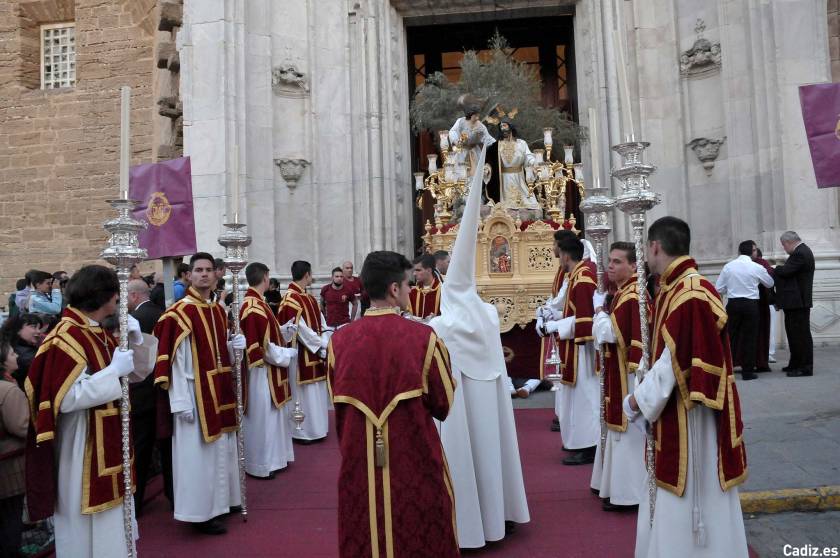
column 72, row 346
column 690, row 320
column 260, row 327
column 296, row 304
column 582, row 285
column 425, row 301
column 388, row 376
column 622, row 357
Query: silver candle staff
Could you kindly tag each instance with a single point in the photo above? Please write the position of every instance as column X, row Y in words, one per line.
column 636, row 199
column 123, row 252
column 597, row 209
column 235, row 242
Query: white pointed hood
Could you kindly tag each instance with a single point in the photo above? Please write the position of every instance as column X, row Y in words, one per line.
column 469, row 326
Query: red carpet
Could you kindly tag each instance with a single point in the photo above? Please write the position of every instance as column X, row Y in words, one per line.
column 295, row 514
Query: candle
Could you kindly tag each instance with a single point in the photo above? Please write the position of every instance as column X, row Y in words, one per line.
column 449, row 172
column 578, row 172
column 624, row 88
column 538, row 156
column 594, row 148
column 236, row 183
column 569, row 154
column 444, row 140
column 547, row 140
column 432, row 164
column 418, row 181
column 125, row 124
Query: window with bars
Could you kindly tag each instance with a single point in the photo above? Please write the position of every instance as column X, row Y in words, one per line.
column 58, row 55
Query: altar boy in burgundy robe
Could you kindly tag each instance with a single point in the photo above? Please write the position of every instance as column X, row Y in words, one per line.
column 388, row 377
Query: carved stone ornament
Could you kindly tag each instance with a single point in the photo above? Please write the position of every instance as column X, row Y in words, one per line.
column 288, row 81
column 703, row 58
column 707, row 150
column 291, row 170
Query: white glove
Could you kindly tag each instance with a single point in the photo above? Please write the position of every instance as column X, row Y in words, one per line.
column 237, row 342
column 551, row 326
column 281, row 356
column 540, row 326
column 135, row 336
column 322, row 353
column 289, row 330
column 598, row 299
column 122, row 363
column 635, row 417
column 186, row 416
column 325, row 339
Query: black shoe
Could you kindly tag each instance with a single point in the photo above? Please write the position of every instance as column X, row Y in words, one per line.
column 746, row 376
column 555, row 425
column 595, row 491
column 799, row 372
column 580, row 458
column 212, row 527
column 564, row 448
column 269, row 477
column 788, row 368
column 304, row 442
column 610, row 507
column 764, row 369
column 234, row 509
column 510, row 527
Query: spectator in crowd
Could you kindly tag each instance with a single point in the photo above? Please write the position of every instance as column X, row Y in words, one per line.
column 273, row 296
column 795, row 282
column 355, row 290
column 25, row 332
column 60, row 278
column 143, row 395
column 182, row 281
column 739, row 281
column 44, row 299
column 134, row 273
column 13, row 307
column 22, row 295
column 336, row 300
column 14, row 422
column 441, row 263
column 157, row 294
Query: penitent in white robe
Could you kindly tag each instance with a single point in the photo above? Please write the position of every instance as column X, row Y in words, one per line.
column 622, row 477
column 553, row 310
column 673, row 531
column 580, row 425
column 313, row 397
column 268, row 435
column 77, row 535
column 205, row 476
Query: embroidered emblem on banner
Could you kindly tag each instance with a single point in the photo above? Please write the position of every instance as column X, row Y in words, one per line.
column 159, row 209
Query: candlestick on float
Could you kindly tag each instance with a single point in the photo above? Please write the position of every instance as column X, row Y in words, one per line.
column 623, row 86
column 235, row 179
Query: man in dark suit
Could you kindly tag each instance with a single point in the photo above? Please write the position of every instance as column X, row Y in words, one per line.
column 794, row 286
column 143, row 399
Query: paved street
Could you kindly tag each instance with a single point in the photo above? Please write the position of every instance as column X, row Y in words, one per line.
column 768, row 534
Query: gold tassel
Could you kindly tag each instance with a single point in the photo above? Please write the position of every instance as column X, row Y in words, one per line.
column 380, row 449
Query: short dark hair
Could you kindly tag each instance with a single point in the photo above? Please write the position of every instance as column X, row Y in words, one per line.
column 201, row 256
column 274, row 282
column 181, row 269
column 21, row 284
column 573, row 248
column 220, row 263
column 37, row 276
column 673, row 234
column 441, row 255
column 427, row 261
column 5, row 349
column 299, row 269
column 380, row 270
column 745, row 248
column 255, row 273
column 628, row 248
column 561, row 234
column 337, row 270
column 92, row 287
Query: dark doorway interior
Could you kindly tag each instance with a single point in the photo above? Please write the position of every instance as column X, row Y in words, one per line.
column 546, row 42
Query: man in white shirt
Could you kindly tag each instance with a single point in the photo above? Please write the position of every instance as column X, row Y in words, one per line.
column 739, row 281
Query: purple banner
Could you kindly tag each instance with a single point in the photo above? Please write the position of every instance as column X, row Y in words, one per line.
column 821, row 114
column 164, row 191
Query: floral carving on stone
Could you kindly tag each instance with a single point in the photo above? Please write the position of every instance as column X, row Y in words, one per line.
column 291, row 170
column 288, row 81
column 707, row 150
column 703, row 58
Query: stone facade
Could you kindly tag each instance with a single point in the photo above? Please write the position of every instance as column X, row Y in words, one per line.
column 834, row 37
column 59, row 148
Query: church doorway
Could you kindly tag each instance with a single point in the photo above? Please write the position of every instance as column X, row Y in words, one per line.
column 545, row 42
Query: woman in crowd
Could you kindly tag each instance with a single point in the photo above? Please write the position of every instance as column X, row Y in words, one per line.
column 14, row 420
column 25, row 332
column 40, row 301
